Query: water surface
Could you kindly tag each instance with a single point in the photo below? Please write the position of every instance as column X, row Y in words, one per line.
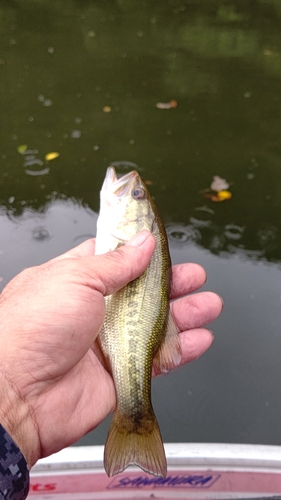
column 83, row 79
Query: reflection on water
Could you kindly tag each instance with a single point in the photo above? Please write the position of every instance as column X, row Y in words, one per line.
column 269, row 238
column 229, row 238
column 35, row 237
column 230, row 394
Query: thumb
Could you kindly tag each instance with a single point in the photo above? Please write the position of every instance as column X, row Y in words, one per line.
column 114, row 270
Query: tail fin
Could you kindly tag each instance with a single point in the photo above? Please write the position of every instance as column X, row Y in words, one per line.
column 139, row 444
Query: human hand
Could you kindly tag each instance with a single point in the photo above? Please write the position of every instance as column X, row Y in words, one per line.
column 53, row 386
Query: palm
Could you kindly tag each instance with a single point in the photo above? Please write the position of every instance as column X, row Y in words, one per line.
column 71, row 384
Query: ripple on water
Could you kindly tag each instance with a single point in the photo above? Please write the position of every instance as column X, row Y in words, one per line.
column 32, row 165
column 268, row 238
column 202, row 217
column 30, row 227
column 179, row 234
column 233, row 232
column 41, row 233
column 43, row 171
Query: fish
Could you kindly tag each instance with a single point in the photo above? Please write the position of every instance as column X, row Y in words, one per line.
column 138, row 331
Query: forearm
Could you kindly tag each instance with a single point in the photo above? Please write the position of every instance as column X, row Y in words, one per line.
column 14, row 474
column 15, row 417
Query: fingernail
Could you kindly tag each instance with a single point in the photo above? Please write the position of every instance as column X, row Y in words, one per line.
column 138, row 239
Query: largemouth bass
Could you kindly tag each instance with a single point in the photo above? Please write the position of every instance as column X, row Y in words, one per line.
column 138, row 326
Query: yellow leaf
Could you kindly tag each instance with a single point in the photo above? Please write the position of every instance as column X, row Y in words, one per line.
column 22, row 148
column 224, row 195
column 51, row 156
column 106, row 109
column 219, row 196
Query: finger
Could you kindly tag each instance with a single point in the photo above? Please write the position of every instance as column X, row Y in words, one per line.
column 196, row 310
column 85, row 249
column 194, row 343
column 186, row 279
column 113, row 270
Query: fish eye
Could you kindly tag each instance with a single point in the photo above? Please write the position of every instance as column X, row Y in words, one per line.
column 138, row 193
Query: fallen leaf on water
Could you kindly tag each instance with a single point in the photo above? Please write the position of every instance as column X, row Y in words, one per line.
column 51, row 156
column 106, row 109
column 167, row 105
column 224, row 195
column 21, row 149
column 267, row 52
column 220, row 196
column 219, row 184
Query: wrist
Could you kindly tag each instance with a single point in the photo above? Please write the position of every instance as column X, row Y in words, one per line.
column 16, row 418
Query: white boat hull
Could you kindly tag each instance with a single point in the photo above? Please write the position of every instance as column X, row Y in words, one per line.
column 196, row 471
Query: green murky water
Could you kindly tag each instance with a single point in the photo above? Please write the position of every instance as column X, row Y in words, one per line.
column 83, row 78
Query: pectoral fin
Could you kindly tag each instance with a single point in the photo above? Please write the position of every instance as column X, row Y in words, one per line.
column 168, row 355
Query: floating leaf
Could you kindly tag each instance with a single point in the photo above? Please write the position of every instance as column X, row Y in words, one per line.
column 148, row 182
column 51, row 156
column 219, row 184
column 167, row 105
column 220, row 196
column 224, row 195
column 22, row 149
column 212, row 197
column 106, row 109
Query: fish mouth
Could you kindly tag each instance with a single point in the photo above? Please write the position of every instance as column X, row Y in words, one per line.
column 122, row 185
